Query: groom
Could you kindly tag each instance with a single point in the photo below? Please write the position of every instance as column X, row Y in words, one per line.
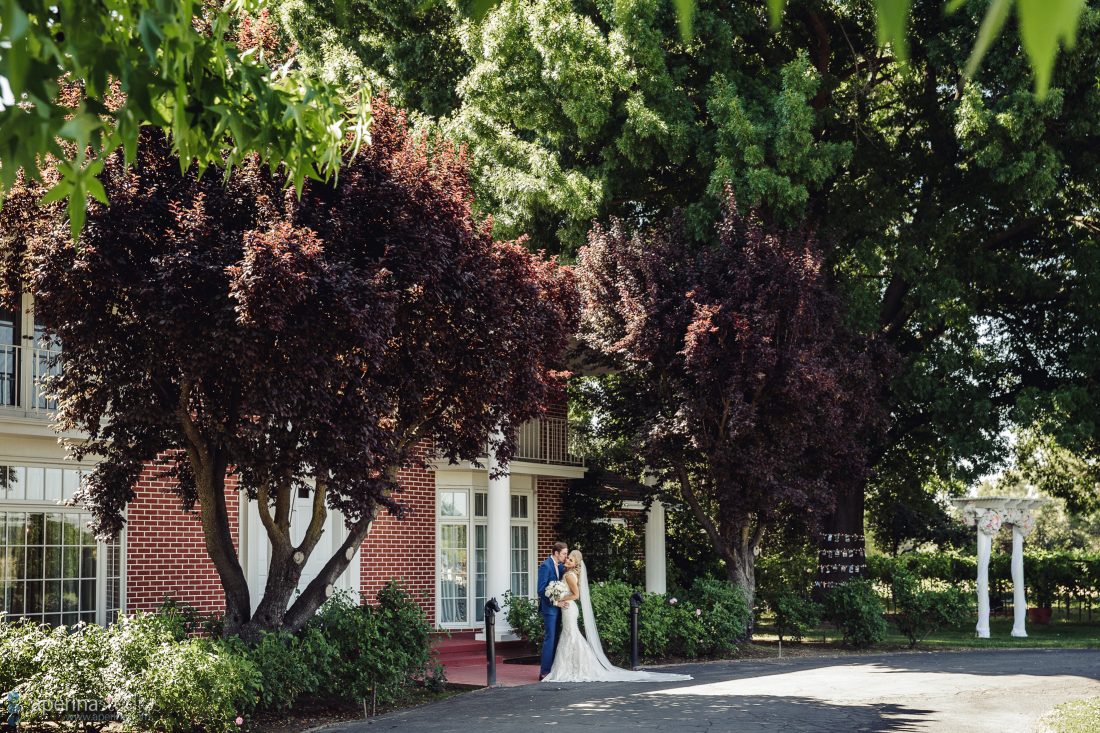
column 551, row 569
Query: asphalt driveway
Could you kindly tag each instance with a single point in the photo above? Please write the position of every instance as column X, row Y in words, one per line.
column 989, row 690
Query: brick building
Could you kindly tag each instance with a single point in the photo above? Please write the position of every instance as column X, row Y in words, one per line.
column 467, row 536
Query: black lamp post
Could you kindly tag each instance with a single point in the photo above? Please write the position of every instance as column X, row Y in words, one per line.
column 635, row 604
column 491, row 608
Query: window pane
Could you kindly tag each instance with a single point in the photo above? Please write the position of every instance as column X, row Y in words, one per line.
column 519, row 506
column 14, row 598
column 53, row 563
column 36, row 478
column 87, row 562
column 17, row 525
column 520, row 561
column 53, row 484
column 71, row 480
column 87, row 595
column 34, row 563
column 35, row 523
column 481, row 504
column 70, row 562
column 54, row 526
column 454, row 573
column 70, row 595
column 452, row 504
column 34, row 596
column 53, row 596
column 480, row 532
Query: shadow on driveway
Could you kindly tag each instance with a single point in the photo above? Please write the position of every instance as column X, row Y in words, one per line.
column 934, row 691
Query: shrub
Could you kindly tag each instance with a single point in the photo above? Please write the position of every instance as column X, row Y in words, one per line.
column 854, row 608
column 188, row 685
column 286, row 671
column 407, row 633
column 19, row 642
column 611, row 605
column 367, row 649
column 920, row 612
column 185, row 620
column 656, row 627
column 68, row 678
column 795, row 615
column 723, row 613
column 522, row 614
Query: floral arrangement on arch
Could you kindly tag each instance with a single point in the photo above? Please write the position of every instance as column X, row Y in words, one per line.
column 989, row 522
column 1021, row 519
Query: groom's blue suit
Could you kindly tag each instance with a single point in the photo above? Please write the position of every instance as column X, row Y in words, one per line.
column 551, row 614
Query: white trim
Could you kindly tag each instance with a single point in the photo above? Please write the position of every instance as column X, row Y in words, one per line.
column 547, row 470
column 635, row 506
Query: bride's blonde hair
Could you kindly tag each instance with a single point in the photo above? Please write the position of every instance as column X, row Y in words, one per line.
column 578, row 558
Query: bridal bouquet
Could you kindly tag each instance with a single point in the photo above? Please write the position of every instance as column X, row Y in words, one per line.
column 555, row 589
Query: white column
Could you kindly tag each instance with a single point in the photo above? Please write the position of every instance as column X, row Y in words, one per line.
column 985, row 544
column 655, row 560
column 498, row 551
column 1019, row 602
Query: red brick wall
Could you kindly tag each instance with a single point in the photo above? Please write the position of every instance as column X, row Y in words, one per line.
column 165, row 552
column 548, row 498
column 404, row 549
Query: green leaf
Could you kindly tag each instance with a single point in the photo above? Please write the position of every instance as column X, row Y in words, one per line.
column 78, row 208
column 59, row 191
column 15, row 22
column 95, row 188
column 892, row 20
column 1043, row 25
column 480, row 8
column 992, row 23
column 775, row 11
column 685, row 12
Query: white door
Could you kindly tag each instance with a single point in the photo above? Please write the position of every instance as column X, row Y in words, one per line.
column 257, row 556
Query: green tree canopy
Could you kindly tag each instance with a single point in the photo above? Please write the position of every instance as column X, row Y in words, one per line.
column 79, row 80
column 957, row 208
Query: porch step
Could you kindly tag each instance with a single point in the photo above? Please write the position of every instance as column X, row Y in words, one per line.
column 459, row 647
column 467, row 660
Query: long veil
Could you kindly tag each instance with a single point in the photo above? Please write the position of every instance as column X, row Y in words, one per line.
column 592, row 635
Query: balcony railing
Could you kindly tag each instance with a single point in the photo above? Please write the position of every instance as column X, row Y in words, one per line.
column 546, row 441
column 21, row 371
column 543, row 441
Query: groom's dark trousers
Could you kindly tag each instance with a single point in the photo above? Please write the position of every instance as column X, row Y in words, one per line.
column 551, row 614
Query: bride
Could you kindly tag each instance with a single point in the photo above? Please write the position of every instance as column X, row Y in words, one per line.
column 580, row 658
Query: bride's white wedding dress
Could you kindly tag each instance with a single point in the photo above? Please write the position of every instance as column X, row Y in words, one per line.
column 580, row 658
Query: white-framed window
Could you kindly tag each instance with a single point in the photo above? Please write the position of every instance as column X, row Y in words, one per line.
column 462, row 519
column 26, row 357
column 52, row 568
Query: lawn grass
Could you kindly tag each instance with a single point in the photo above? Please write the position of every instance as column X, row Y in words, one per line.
column 1059, row 634
column 1076, row 716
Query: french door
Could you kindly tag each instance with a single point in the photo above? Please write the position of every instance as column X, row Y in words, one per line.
column 463, row 533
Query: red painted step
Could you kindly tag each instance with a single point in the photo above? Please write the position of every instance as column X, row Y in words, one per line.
column 468, row 660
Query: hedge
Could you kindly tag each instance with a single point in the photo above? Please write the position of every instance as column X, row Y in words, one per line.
column 1048, row 575
column 149, row 672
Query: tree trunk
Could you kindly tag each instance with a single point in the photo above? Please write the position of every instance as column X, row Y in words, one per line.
column 287, row 560
column 741, row 564
column 842, row 548
column 320, row 589
column 219, row 545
